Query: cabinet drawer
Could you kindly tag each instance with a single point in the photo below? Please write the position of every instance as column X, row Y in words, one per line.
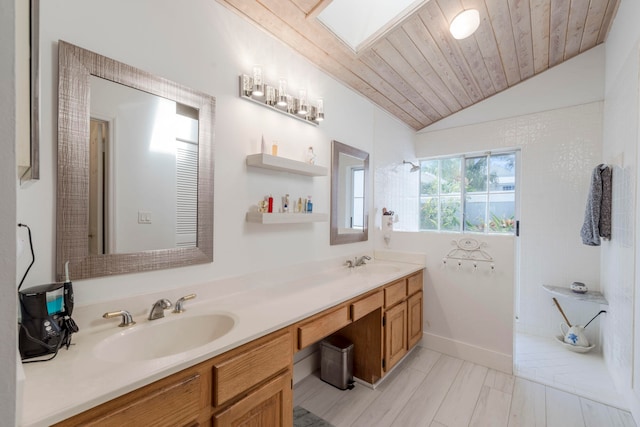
column 414, row 283
column 361, row 308
column 395, row 293
column 168, row 402
column 240, row 373
column 322, row 326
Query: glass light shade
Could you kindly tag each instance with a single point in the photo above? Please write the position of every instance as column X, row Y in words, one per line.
column 303, row 103
column 282, row 93
column 320, row 111
column 465, row 24
column 258, row 87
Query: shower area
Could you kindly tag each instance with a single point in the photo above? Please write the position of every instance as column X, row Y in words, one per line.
column 550, row 258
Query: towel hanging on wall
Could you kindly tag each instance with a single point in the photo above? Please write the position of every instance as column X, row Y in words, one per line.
column 597, row 216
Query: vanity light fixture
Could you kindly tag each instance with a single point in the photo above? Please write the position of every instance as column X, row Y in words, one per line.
column 465, row 24
column 303, row 104
column 320, row 110
column 282, row 93
column 258, row 85
column 253, row 88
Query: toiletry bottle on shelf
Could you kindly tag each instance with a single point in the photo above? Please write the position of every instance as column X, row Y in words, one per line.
column 285, row 203
column 270, row 204
column 300, row 209
column 274, row 148
column 309, row 205
column 263, row 146
column 311, row 156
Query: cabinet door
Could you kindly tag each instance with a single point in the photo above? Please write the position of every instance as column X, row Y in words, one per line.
column 271, row 405
column 395, row 334
column 414, row 318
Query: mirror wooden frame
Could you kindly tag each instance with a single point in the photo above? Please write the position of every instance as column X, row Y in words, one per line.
column 75, row 66
column 337, row 238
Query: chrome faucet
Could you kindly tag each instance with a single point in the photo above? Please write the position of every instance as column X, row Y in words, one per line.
column 158, row 308
column 127, row 319
column 178, row 307
column 357, row 261
column 361, row 261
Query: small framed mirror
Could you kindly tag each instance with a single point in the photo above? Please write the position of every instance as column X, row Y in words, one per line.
column 349, row 194
column 135, row 169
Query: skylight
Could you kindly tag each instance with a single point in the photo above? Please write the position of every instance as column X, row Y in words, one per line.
column 357, row 22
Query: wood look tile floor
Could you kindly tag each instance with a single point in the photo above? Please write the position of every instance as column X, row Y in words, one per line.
column 435, row 390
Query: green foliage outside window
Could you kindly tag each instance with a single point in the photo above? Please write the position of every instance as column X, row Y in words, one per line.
column 488, row 193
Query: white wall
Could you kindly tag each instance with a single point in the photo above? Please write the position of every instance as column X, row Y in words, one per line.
column 619, row 276
column 574, row 82
column 8, row 175
column 205, row 46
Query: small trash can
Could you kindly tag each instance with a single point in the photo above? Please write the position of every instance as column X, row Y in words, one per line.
column 336, row 362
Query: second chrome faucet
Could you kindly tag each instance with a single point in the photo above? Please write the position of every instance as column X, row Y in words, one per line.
column 357, row 261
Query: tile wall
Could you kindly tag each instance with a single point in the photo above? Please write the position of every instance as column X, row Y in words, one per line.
column 618, row 255
column 559, row 149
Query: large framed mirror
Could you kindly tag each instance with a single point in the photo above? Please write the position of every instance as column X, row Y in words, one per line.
column 135, row 169
column 349, row 194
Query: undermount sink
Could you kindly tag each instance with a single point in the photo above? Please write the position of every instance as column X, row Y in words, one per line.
column 379, row 268
column 164, row 337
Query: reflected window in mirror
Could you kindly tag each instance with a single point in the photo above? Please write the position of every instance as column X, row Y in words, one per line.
column 357, row 197
column 349, row 194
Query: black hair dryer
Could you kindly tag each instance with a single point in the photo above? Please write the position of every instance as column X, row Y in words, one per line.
column 46, row 323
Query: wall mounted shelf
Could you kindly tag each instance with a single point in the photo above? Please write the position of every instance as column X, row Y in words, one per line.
column 286, row 218
column 267, row 161
column 590, row 296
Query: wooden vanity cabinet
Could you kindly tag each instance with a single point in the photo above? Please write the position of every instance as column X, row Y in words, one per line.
column 248, row 386
column 402, row 321
column 252, row 385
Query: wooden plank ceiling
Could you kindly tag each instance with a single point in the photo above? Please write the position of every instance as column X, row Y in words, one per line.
column 417, row 71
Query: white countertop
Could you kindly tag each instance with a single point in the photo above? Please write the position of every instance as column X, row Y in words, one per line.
column 78, row 379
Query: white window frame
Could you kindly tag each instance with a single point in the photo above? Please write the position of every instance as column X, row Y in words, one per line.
column 463, row 193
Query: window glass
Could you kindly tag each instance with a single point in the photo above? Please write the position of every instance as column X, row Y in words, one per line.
column 429, row 213
column 502, row 212
column 450, row 213
column 476, row 174
column 475, row 213
column 484, row 204
column 503, row 172
column 357, row 213
column 429, row 177
column 450, row 173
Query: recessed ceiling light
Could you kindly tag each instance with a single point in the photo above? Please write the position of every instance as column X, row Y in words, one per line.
column 465, row 24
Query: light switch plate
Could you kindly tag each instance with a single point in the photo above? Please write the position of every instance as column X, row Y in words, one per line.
column 144, row 217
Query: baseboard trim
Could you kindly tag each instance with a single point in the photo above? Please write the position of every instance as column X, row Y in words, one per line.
column 306, row 366
column 482, row 356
